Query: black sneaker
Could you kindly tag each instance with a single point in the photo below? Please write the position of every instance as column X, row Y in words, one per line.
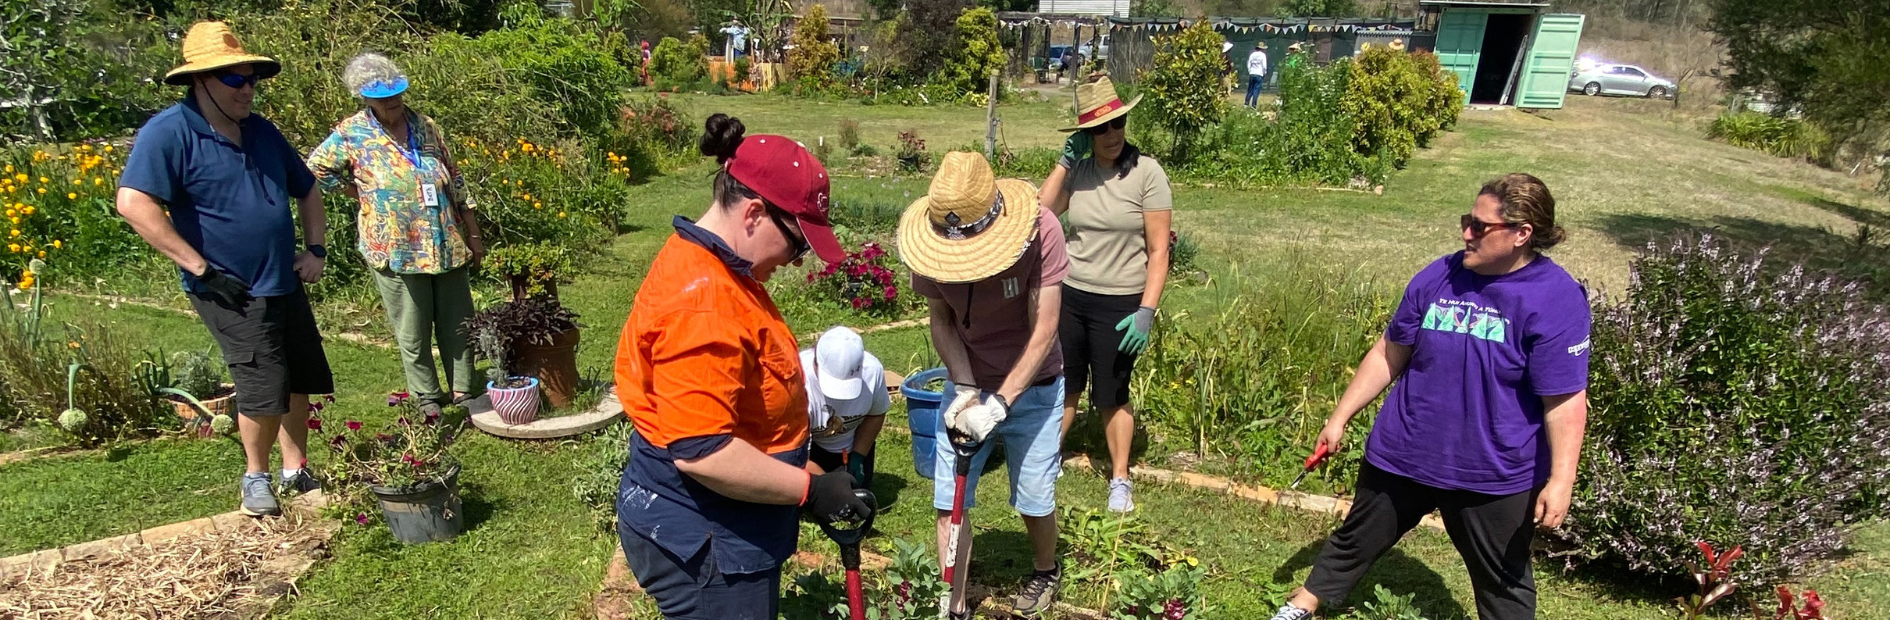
column 302, row 482
column 1039, row 591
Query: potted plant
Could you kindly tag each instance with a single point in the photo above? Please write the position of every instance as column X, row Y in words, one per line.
column 408, row 468
column 546, row 350
column 201, row 376
column 515, row 398
column 529, row 338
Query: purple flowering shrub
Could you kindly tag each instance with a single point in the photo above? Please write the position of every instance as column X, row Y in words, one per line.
column 1734, row 402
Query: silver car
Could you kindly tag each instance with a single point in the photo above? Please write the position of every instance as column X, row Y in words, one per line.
column 1620, row 80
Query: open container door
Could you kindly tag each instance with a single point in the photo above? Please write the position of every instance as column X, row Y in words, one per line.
column 1551, row 58
column 1460, row 44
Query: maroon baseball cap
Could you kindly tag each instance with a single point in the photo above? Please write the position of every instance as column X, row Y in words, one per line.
column 789, row 177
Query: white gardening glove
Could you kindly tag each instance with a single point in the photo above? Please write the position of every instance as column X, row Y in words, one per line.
column 963, row 397
column 977, row 421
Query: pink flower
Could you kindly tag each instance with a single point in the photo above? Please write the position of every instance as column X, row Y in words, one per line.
column 314, row 423
column 361, row 518
column 891, row 292
column 353, row 425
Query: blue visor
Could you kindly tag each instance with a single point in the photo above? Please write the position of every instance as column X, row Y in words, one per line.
column 382, row 89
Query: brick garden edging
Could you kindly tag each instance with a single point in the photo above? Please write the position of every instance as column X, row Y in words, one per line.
column 47, row 558
column 1334, row 506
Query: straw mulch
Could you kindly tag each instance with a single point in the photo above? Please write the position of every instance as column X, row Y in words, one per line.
column 214, row 575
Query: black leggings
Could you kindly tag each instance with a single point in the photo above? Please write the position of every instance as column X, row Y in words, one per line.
column 1491, row 532
column 1087, row 331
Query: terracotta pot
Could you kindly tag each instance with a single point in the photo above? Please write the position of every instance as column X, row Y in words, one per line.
column 555, row 366
column 197, row 422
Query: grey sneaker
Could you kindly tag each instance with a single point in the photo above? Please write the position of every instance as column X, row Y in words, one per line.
column 302, row 482
column 1289, row 612
column 1039, row 591
column 259, row 499
column 1121, row 495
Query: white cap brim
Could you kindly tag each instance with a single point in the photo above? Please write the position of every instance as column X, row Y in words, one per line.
column 841, row 389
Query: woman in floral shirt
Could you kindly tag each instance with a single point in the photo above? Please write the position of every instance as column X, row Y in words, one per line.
column 417, row 229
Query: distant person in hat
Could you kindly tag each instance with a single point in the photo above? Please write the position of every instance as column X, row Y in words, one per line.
column 1120, row 210
column 416, row 225
column 847, row 403
column 216, row 189
column 1256, row 72
column 711, row 377
column 990, row 263
column 1486, row 358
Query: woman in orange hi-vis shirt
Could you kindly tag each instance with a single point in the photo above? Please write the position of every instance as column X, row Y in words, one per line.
column 711, row 378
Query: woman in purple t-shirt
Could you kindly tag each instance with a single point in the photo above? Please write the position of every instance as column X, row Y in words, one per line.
column 1489, row 350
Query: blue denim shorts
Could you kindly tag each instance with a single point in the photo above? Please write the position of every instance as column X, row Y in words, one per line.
column 1032, row 447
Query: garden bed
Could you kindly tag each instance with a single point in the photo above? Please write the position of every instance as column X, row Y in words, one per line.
column 235, row 572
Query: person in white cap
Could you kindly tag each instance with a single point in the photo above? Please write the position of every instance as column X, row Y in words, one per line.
column 847, row 403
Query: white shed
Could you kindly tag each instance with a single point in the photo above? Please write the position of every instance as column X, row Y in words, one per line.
column 1113, row 8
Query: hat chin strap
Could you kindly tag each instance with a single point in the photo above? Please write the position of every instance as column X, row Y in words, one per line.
column 959, row 232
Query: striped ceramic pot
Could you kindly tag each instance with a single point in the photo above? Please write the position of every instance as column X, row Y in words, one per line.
column 515, row 405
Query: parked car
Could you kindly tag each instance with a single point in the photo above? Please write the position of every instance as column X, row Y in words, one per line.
column 1620, row 80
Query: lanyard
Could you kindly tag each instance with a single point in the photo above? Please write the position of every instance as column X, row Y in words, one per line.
column 412, row 152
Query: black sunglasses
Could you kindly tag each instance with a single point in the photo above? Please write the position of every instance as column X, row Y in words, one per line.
column 1117, row 123
column 238, row 81
column 799, row 242
column 1479, row 228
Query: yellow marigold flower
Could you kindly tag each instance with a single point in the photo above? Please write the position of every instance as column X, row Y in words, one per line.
column 97, row 181
column 42, row 190
column 13, row 247
column 538, row 205
column 9, row 168
column 42, row 254
column 44, row 180
column 75, row 181
column 57, row 244
column 72, row 195
column 14, row 233
column 11, row 212
column 560, row 214
column 72, row 345
column 29, row 209
column 108, row 148
column 21, row 177
column 14, row 220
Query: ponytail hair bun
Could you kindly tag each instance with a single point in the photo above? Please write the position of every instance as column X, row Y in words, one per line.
column 721, row 134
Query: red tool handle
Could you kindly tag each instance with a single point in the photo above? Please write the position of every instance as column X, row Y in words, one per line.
column 856, row 600
column 1318, row 456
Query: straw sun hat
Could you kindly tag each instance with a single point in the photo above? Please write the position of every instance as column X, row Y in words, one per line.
column 210, row 46
column 1098, row 103
column 970, row 225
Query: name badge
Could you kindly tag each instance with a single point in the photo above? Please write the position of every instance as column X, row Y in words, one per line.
column 429, row 194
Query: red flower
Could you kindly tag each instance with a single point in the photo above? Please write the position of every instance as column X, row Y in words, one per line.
column 858, row 303
column 328, row 397
column 353, row 425
column 314, row 423
column 361, row 518
column 891, row 292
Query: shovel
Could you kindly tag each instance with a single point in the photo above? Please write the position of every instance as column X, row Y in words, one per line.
column 847, row 530
column 964, row 449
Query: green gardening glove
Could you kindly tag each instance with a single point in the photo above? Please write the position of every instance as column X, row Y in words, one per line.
column 857, row 464
column 1076, row 148
column 1136, row 328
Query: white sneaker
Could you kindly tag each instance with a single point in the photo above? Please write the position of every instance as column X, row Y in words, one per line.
column 1121, row 495
column 1289, row 612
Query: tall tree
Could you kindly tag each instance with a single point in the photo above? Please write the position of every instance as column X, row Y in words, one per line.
column 1831, row 57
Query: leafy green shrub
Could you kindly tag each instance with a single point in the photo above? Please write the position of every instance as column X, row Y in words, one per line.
column 570, row 71
column 1033, row 163
column 1386, row 605
column 1102, row 548
column 1186, row 88
column 911, row 154
column 532, row 269
column 849, row 134
column 1783, row 137
column 1398, row 102
column 1735, row 404
column 675, row 65
column 57, row 208
column 529, row 192
column 814, row 55
column 657, row 135
column 973, row 59
column 1316, row 128
column 1257, row 379
column 202, row 373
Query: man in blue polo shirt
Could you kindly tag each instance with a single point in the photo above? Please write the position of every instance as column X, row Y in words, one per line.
column 208, row 184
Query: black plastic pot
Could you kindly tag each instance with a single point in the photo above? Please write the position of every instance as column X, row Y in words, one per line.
column 425, row 512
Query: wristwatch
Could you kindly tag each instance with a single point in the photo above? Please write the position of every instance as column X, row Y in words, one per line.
column 319, row 251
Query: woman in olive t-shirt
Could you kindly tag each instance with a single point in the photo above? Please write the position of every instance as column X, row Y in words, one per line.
column 1118, row 205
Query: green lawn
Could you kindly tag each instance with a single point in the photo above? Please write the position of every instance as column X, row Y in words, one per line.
column 1624, row 175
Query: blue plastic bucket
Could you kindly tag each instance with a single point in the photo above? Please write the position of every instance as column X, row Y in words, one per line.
column 922, row 417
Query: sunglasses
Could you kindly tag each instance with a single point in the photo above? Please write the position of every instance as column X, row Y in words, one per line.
column 1479, row 228
column 1118, row 123
column 799, row 242
column 237, row 81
